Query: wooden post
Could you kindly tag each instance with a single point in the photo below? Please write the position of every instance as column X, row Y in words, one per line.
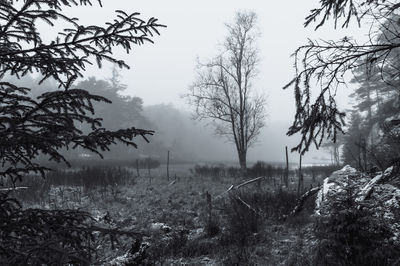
column 137, row 168
column 148, row 169
column 287, row 169
column 359, row 154
column 168, row 166
column 209, row 208
column 300, row 184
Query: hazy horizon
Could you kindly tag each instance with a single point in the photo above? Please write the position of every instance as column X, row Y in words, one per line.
column 162, row 72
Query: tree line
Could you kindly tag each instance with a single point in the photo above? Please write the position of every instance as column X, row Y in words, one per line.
column 372, row 139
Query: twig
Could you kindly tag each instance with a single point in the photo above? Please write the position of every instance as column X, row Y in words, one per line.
column 13, row 188
column 233, row 187
column 245, row 204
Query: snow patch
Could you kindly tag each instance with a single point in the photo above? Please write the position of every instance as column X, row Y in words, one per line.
column 160, row 227
column 332, row 184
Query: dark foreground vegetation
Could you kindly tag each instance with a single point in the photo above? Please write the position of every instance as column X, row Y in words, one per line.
column 193, row 219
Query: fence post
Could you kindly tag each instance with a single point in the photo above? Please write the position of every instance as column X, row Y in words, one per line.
column 287, row 169
column 148, row 169
column 209, row 208
column 137, row 168
column 300, row 184
column 168, row 166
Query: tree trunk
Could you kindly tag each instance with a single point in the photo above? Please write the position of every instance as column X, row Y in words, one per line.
column 336, row 154
column 243, row 161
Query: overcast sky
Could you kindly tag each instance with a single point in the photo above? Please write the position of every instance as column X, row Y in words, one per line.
column 162, row 72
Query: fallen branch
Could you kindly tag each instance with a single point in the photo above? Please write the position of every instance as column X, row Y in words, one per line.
column 249, row 182
column 367, row 190
column 246, row 204
column 233, row 187
column 302, row 200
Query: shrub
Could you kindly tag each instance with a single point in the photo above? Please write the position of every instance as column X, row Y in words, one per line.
column 351, row 234
column 246, row 212
column 263, row 169
column 243, row 221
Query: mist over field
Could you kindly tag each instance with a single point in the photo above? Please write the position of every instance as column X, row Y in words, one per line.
column 199, row 133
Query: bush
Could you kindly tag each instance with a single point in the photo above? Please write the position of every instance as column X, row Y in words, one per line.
column 246, row 212
column 264, row 169
column 351, row 234
column 242, row 221
column 214, row 171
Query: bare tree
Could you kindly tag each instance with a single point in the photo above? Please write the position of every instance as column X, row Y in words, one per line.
column 223, row 92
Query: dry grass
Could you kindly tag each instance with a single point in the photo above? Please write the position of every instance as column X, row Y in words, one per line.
column 180, row 205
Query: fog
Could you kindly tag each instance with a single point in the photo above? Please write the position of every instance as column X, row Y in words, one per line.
column 162, row 72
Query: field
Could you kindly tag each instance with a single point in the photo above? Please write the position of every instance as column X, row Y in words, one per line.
column 188, row 219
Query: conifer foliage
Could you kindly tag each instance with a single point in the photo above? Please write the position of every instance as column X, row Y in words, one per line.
column 326, row 64
column 30, row 127
column 48, row 123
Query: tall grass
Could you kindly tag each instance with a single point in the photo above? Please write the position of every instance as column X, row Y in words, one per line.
column 88, row 178
column 260, row 169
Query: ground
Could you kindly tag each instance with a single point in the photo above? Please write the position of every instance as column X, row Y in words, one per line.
column 175, row 219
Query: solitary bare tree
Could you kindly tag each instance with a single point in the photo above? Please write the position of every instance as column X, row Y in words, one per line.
column 222, row 91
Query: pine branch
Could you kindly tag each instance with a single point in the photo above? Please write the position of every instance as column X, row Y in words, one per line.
column 66, row 57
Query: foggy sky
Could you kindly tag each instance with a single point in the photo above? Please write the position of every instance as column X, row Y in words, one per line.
column 162, row 72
